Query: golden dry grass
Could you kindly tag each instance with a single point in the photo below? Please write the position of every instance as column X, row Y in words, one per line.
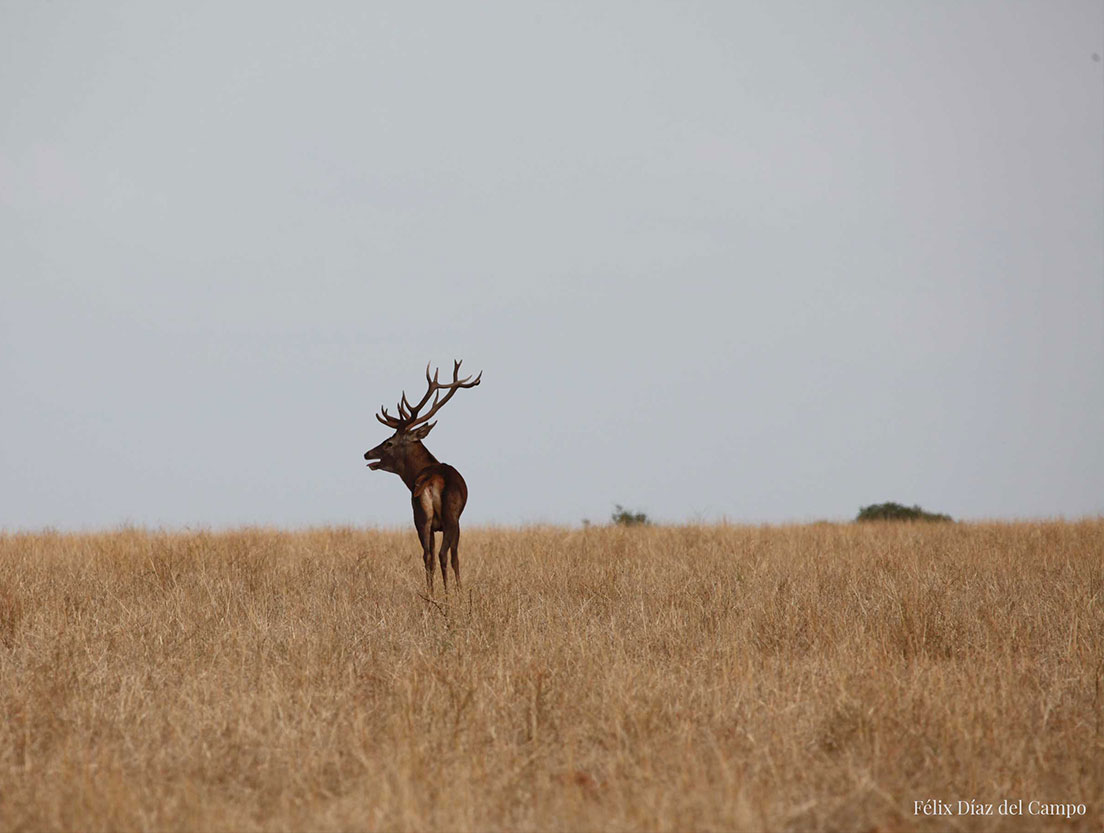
column 818, row 677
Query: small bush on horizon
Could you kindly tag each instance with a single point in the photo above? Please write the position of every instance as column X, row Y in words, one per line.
column 896, row 512
column 623, row 517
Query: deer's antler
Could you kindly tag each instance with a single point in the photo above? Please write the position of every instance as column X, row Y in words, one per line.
column 411, row 416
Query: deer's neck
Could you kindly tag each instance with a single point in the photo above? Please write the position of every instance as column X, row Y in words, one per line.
column 416, row 459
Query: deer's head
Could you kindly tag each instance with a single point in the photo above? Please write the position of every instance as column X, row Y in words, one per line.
column 411, row 426
column 388, row 454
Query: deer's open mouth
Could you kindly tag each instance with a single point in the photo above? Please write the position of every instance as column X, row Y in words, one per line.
column 375, row 464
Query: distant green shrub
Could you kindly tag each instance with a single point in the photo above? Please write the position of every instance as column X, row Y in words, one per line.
column 623, row 517
column 896, row 512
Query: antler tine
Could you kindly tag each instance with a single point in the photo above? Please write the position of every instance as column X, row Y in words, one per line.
column 387, row 419
column 456, row 380
column 431, row 387
column 464, row 382
column 405, row 410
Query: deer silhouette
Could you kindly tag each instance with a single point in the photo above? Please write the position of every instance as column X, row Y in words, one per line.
column 437, row 491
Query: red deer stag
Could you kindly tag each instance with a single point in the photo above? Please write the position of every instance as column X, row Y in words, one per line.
column 438, row 492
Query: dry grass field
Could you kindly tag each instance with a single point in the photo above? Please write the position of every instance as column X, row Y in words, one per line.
column 821, row 677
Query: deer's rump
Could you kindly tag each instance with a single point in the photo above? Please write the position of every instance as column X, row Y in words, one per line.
column 440, row 492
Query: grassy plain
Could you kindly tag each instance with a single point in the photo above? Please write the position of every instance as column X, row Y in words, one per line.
column 820, row 677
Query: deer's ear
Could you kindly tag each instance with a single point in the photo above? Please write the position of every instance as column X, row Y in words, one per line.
column 422, row 431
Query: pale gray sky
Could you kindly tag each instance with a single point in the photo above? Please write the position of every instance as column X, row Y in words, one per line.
column 765, row 261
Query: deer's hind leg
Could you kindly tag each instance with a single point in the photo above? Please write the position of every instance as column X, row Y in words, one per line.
column 452, row 504
column 450, row 540
column 452, row 536
column 423, row 522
